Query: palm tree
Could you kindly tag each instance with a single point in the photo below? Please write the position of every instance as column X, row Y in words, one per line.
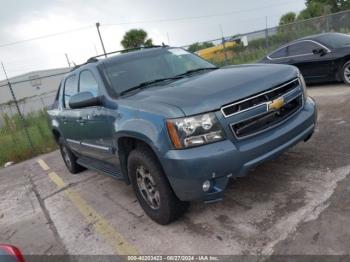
column 135, row 38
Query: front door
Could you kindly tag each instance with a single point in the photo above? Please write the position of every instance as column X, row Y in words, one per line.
column 69, row 117
column 312, row 66
column 96, row 125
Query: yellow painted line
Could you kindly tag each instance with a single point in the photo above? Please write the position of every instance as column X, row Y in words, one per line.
column 101, row 226
column 43, row 165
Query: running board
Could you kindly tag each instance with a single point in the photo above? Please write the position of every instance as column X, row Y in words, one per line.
column 100, row 167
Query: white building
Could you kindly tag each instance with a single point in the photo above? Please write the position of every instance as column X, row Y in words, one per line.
column 33, row 84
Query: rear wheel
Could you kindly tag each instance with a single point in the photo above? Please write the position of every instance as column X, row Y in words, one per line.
column 346, row 73
column 69, row 158
column 152, row 189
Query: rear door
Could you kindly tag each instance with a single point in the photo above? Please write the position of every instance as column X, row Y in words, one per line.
column 312, row 66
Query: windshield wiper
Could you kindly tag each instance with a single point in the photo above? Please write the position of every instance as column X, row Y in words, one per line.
column 197, row 70
column 148, row 83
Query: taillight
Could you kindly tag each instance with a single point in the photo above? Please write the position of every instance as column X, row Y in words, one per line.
column 12, row 252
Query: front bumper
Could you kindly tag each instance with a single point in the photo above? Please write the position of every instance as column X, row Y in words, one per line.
column 217, row 162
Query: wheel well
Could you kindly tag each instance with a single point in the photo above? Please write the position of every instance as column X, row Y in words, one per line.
column 125, row 146
column 56, row 135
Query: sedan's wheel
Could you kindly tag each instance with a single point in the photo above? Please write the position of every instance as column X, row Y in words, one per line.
column 69, row 158
column 346, row 73
column 152, row 188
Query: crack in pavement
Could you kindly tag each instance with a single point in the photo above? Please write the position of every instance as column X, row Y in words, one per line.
column 70, row 185
column 46, row 214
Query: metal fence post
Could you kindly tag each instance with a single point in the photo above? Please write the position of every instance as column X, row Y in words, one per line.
column 24, row 126
column 266, row 37
column 223, row 44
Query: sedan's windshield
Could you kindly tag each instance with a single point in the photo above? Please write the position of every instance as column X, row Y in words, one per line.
column 335, row 40
column 125, row 74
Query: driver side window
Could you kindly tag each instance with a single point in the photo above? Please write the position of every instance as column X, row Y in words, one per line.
column 88, row 83
column 70, row 89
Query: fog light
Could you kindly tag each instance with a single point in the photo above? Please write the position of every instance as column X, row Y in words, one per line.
column 206, row 185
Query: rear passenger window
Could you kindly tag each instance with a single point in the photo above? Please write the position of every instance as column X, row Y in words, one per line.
column 88, row 83
column 302, row 48
column 279, row 53
column 70, row 89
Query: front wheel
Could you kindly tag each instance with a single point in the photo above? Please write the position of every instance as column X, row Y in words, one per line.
column 346, row 73
column 69, row 158
column 152, row 189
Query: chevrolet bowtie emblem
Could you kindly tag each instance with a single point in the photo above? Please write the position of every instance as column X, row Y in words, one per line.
column 276, row 104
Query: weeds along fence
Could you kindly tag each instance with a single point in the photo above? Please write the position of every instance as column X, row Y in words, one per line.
column 259, row 43
column 24, row 126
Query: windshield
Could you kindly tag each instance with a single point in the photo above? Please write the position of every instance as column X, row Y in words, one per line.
column 125, row 74
column 335, row 40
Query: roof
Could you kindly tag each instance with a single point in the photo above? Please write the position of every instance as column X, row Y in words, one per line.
column 40, row 73
column 314, row 37
column 121, row 55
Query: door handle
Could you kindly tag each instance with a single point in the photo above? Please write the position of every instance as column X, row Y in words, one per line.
column 64, row 120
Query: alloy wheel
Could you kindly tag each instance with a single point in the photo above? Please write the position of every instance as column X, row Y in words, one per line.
column 347, row 73
column 147, row 187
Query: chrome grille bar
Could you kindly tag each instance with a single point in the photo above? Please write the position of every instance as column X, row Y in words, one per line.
column 261, row 95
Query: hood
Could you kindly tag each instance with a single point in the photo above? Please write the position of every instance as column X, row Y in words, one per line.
column 211, row 90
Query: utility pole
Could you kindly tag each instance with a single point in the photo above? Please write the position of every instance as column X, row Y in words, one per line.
column 266, row 36
column 67, row 60
column 99, row 34
column 223, row 43
column 24, row 126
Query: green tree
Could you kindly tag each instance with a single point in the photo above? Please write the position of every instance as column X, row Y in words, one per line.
column 199, row 46
column 314, row 8
column 288, row 18
column 135, row 38
column 333, row 5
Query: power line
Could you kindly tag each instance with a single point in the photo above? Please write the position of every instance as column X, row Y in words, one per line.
column 198, row 17
column 46, row 36
column 143, row 22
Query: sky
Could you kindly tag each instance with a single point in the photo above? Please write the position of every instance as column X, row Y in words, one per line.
column 36, row 34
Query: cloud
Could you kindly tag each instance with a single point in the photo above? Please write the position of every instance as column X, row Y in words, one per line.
column 35, row 18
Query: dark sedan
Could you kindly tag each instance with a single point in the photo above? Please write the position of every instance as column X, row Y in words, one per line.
column 320, row 58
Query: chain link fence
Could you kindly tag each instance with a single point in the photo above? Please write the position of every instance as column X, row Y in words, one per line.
column 24, row 130
column 250, row 47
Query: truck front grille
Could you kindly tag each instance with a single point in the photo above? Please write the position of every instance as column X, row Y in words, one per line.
column 263, row 122
column 258, row 99
column 265, row 110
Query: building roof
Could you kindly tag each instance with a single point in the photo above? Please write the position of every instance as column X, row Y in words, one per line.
column 40, row 73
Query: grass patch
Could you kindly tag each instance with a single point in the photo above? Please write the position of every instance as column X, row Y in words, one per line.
column 14, row 145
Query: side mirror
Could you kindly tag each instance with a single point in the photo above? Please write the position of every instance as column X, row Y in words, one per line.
column 319, row 51
column 84, row 99
column 10, row 254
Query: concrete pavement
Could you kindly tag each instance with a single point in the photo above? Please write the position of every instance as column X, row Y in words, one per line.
column 296, row 204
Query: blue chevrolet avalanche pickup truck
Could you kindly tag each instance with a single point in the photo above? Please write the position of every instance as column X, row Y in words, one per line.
column 175, row 126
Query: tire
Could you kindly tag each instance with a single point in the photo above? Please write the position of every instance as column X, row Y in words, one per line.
column 146, row 174
column 345, row 73
column 69, row 158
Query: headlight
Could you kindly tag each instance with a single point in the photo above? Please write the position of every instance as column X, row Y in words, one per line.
column 194, row 131
column 303, row 84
